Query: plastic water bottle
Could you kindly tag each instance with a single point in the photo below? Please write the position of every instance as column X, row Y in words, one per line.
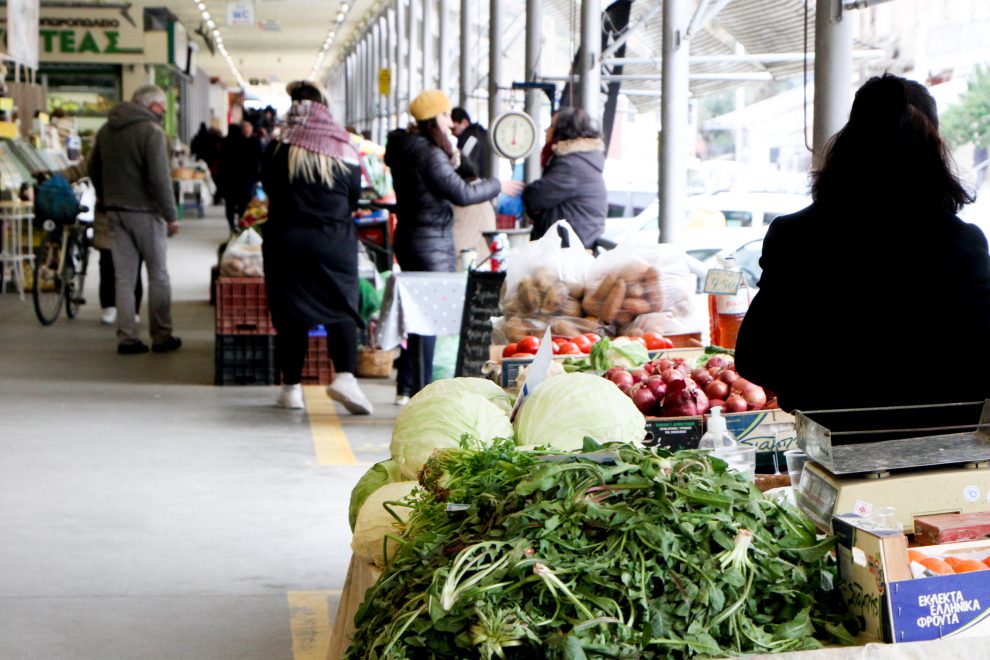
column 731, row 308
column 718, row 435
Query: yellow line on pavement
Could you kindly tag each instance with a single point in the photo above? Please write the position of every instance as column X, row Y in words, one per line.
column 329, row 439
column 309, row 618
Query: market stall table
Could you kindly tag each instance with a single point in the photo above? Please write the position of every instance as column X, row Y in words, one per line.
column 418, row 303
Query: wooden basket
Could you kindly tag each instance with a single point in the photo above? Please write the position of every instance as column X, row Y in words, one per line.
column 374, row 363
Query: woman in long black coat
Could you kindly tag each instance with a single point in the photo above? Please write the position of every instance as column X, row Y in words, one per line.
column 312, row 179
column 859, row 286
column 426, row 183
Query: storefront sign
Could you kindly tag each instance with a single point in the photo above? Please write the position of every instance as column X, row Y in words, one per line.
column 240, row 14
column 22, row 37
column 94, row 33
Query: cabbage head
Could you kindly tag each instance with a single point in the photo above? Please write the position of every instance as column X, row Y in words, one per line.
column 482, row 386
column 374, row 522
column 561, row 411
column 438, row 421
column 377, row 476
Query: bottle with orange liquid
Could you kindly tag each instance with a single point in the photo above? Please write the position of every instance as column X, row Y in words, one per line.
column 730, row 309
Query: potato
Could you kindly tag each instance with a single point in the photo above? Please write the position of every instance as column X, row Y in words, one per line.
column 613, row 301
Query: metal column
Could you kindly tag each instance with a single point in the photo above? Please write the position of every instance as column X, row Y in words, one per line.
column 833, row 72
column 375, row 35
column 415, row 84
column 673, row 121
column 443, row 60
column 534, row 44
column 466, row 82
column 494, row 72
column 427, row 47
column 401, row 102
column 591, row 56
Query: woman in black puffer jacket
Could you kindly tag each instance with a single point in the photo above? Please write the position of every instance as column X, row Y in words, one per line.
column 422, row 161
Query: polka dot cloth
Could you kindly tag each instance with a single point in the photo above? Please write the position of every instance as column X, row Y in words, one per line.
column 421, row 304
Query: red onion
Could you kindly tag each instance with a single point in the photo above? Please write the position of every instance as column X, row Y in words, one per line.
column 735, row 403
column 754, row 395
column 728, row 376
column 731, row 366
column 663, row 364
column 716, row 361
column 701, row 376
column 621, row 378
column 717, row 389
column 650, row 368
column 683, row 400
column 643, row 398
column 657, row 386
column 639, row 375
column 671, row 374
column 712, row 403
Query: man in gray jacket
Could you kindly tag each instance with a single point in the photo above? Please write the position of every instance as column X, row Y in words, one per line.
column 130, row 169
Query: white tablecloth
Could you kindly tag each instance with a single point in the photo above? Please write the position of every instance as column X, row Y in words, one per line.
column 421, row 304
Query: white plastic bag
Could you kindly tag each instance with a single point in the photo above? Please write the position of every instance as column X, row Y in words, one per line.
column 242, row 258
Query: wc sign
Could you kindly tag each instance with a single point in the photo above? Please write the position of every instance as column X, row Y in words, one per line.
column 240, row 14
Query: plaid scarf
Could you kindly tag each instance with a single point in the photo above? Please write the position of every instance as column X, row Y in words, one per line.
column 311, row 126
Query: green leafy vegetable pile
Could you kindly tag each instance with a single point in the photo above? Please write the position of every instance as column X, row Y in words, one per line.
column 612, row 552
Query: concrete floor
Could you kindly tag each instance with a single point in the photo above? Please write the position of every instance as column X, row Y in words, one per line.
column 146, row 513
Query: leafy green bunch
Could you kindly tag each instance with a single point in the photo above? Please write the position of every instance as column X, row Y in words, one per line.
column 612, row 552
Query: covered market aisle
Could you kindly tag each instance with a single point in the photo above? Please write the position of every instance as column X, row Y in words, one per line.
column 147, row 513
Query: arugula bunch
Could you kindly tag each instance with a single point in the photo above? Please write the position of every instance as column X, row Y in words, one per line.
column 613, row 552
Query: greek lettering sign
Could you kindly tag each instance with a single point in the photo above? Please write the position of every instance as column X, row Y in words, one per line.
column 96, row 33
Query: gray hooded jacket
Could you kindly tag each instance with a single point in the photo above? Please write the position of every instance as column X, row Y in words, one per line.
column 129, row 165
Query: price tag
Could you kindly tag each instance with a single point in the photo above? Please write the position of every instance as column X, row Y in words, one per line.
column 862, row 508
column 537, row 372
column 720, row 281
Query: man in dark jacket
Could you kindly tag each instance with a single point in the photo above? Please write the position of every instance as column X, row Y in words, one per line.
column 129, row 167
column 464, row 131
column 572, row 187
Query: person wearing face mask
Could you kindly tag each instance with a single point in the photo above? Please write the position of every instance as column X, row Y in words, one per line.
column 423, row 163
column 129, row 167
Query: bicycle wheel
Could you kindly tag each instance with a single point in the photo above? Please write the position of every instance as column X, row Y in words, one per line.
column 48, row 287
column 75, row 276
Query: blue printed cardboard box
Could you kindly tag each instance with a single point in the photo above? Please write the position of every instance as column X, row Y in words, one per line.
column 895, row 606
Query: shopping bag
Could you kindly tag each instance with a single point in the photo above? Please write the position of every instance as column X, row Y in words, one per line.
column 242, row 257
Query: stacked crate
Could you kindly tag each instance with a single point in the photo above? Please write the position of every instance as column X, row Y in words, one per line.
column 245, row 338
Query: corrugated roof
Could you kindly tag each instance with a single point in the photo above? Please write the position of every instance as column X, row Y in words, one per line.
column 758, row 26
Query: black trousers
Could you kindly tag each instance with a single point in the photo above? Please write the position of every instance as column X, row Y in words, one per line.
column 408, row 379
column 107, row 279
column 292, row 343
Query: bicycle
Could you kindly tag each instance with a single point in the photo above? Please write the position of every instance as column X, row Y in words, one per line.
column 60, row 267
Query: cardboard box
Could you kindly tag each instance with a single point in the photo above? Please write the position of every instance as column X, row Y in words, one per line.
column 877, row 584
column 767, row 430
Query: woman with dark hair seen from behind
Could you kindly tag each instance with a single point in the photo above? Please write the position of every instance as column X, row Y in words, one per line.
column 877, row 267
column 423, row 161
column 572, row 187
column 312, row 178
column 240, row 160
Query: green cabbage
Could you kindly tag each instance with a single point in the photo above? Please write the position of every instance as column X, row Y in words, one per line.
column 482, row 386
column 377, row 476
column 374, row 522
column 561, row 411
column 439, row 421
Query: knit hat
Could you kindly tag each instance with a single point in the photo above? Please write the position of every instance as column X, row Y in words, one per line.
column 429, row 104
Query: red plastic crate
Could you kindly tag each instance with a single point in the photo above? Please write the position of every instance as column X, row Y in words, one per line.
column 317, row 368
column 242, row 307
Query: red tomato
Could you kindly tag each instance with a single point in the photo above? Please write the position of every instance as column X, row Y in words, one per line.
column 667, row 343
column 555, row 347
column 557, row 339
column 509, row 350
column 654, row 342
column 529, row 344
column 582, row 342
column 592, row 337
column 569, row 348
column 523, row 355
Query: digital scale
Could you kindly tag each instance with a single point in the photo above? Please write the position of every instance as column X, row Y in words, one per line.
column 898, row 462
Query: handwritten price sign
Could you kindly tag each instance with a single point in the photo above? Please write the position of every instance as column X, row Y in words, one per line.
column 720, row 281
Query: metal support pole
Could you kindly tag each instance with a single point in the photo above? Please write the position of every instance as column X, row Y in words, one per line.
column 376, row 60
column 673, row 121
column 415, row 84
column 534, row 16
column 443, row 60
column 833, row 72
column 591, row 56
column 466, row 82
column 401, row 71
column 362, row 84
column 494, row 72
column 427, row 48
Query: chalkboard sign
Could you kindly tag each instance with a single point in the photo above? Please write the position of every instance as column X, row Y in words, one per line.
column 480, row 305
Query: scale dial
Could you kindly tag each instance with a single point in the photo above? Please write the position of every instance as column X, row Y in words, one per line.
column 513, row 135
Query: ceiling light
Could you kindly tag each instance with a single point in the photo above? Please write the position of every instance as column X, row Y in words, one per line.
column 344, row 7
column 340, row 17
column 200, row 6
column 216, row 35
column 210, row 24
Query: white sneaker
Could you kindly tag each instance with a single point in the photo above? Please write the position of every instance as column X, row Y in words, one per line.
column 109, row 316
column 401, row 399
column 345, row 390
column 291, row 397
